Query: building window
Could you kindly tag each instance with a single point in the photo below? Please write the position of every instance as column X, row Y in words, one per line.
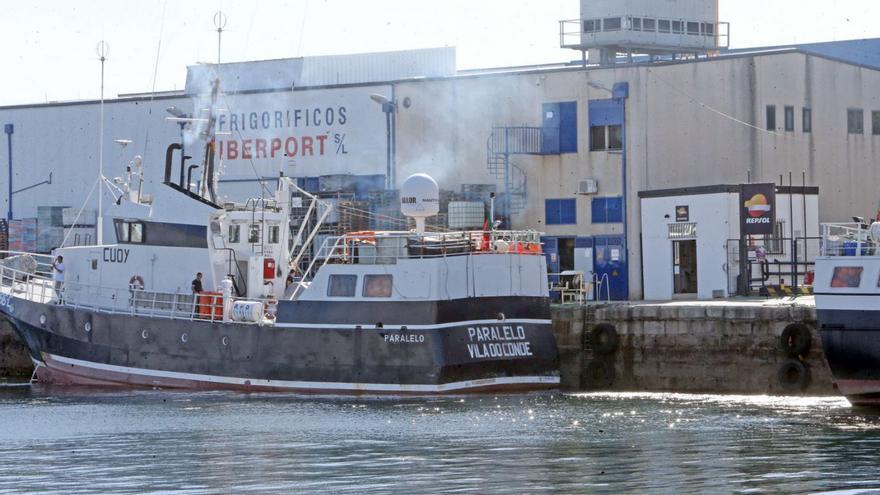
column 682, row 231
column 771, row 117
column 607, row 210
column 592, row 25
column 615, row 137
column 377, row 285
column 635, row 23
column 342, row 285
column 234, row 234
column 611, row 24
column 649, row 25
column 560, row 211
column 875, row 123
column 678, row 27
column 774, row 243
column 847, row 277
column 807, row 117
column 274, row 230
column 663, row 26
column 606, row 137
column 789, row 118
column 693, row 28
column 597, row 138
column 560, row 129
column 855, row 121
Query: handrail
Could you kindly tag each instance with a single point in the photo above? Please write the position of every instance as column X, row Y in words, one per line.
column 152, row 304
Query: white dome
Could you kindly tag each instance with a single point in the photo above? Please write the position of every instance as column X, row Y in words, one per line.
column 420, row 196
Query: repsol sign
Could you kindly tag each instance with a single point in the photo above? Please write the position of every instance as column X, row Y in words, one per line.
column 757, row 208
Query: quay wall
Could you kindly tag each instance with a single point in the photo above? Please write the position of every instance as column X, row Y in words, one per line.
column 692, row 348
column 14, row 359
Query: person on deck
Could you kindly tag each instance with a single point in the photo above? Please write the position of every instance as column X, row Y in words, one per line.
column 58, row 276
column 197, row 284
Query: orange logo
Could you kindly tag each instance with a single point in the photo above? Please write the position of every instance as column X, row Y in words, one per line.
column 758, row 206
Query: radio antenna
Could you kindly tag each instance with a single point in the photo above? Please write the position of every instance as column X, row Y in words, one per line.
column 220, row 24
column 103, row 50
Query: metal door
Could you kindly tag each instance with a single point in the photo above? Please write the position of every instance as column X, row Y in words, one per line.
column 583, row 260
column 610, row 263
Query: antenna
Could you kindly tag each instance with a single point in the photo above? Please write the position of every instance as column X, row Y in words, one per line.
column 220, row 24
column 103, row 50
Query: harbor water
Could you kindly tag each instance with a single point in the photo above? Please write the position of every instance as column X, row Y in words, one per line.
column 63, row 441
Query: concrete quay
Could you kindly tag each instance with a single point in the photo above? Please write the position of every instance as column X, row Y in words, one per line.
column 15, row 362
column 725, row 347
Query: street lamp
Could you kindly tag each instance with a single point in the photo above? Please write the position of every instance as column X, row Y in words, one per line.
column 389, row 107
column 8, row 129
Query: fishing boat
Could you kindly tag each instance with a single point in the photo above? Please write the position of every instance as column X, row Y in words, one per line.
column 847, row 288
column 284, row 307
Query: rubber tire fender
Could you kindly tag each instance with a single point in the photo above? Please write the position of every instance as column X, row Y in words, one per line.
column 794, row 375
column 796, row 339
column 599, row 374
column 604, row 338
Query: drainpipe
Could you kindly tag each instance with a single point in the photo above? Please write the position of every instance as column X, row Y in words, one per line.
column 620, row 92
column 8, row 128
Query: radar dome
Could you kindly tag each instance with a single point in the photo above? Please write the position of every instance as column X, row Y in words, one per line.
column 420, row 198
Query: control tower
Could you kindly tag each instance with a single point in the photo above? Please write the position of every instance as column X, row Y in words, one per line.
column 609, row 28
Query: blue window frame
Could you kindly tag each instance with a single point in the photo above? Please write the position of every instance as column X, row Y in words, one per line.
column 560, row 211
column 607, row 210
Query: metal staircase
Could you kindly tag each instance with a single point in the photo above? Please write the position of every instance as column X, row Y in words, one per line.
column 507, row 141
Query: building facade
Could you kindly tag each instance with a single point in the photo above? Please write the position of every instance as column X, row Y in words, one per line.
column 567, row 148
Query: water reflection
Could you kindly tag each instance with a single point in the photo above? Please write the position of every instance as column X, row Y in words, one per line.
column 135, row 441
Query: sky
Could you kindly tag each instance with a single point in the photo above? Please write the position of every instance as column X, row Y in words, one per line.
column 49, row 46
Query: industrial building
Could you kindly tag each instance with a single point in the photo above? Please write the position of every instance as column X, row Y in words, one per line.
column 656, row 101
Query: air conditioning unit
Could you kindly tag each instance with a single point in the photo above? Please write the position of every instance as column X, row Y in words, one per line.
column 589, row 186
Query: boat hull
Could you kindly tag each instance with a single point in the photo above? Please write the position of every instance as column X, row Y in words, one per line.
column 851, row 342
column 81, row 347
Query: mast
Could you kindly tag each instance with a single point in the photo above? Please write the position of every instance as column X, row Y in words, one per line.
column 103, row 50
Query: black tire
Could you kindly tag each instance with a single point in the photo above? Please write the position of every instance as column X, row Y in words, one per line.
column 796, row 339
column 794, row 375
column 599, row 374
column 604, row 339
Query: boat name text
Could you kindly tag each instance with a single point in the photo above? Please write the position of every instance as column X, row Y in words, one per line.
column 115, row 255
column 397, row 338
column 498, row 342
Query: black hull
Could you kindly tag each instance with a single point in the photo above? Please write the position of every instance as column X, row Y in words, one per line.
column 423, row 358
column 851, row 342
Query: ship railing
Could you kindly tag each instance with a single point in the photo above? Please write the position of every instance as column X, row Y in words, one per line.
column 206, row 306
column 848, row 239
column 388, row 247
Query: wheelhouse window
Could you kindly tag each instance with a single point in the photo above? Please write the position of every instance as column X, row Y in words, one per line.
column 847, row 277
column 342, row 285
column 272, row 235
column 254, row 233
column 693, row 28
column 678, row 27
column 129, row 232
column 649, row 25
column 635, row 23
column 234, row 234
column 663, row 26
column 377, row 285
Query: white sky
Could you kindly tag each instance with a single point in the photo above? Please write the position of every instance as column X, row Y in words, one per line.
column 48, row 46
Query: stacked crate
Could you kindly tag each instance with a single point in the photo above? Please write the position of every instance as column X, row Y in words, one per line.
column 50, row 228
column 23, row 235
column 4, row 237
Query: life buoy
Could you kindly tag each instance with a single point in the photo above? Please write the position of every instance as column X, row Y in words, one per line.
column 604, row 339
column 598, row 374
column 136, row 282
column 796, row 339
column 794, row 375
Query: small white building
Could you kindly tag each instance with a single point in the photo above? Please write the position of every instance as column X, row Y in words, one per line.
column 693, row 240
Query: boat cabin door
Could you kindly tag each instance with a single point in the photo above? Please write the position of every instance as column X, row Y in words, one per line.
column 93, row 272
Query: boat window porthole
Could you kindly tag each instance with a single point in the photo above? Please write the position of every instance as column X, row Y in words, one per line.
column 88, row 326
column 144, row 334
column 225, row 340
column 184, row 337
column 380, row 325
column 403, row 328
column 501, row 316
column 42, row 319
